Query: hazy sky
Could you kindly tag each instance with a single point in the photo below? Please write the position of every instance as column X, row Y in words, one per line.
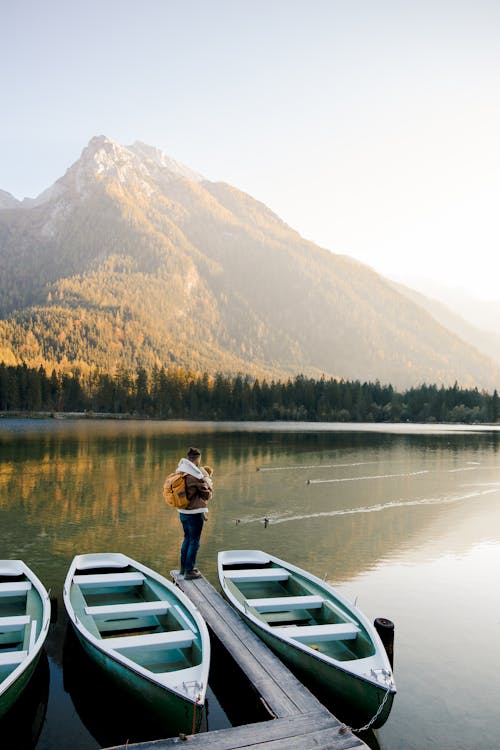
column 370, row 126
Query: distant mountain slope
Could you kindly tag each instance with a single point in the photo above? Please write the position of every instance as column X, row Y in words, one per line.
column 132, row 259
column 486, row 341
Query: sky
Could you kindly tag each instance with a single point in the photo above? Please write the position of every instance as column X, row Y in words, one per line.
column 370, row 126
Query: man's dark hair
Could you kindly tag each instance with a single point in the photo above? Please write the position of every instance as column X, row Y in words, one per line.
column 193, row 453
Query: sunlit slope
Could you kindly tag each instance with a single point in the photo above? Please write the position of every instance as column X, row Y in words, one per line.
column 133, row 260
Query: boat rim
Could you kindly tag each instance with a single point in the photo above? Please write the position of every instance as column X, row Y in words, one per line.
column 254, row 556
column 111, row 653
column 19, row 567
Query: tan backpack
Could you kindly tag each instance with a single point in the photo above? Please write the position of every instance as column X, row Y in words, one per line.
column 174, row 491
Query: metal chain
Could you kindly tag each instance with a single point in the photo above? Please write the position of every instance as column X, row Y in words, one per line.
column 345, row 727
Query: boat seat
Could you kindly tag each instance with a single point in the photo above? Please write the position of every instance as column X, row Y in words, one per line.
column 170, row 639
column 292, row 617
column 285, row 603
column 12, row 658
column 136, row 609
column 341, row 631
column 13, row 623
column 14, row 588
column 258, row 574
column 109, row 579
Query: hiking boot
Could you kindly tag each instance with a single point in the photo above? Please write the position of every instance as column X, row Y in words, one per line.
column 191, row 574
column 182, row 571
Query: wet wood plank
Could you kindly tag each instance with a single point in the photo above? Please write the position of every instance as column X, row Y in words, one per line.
column 300, row 732
column 283, row 693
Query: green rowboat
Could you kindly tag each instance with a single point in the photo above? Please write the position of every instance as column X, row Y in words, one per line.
column 24, row 624
column 323, row 638
column 144, row 632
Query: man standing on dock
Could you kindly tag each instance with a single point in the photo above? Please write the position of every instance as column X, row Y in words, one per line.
column 198, row 492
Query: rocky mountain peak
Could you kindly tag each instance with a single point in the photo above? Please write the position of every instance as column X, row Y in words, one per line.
column 157, row 162
column 7, row 200
column 146, row 167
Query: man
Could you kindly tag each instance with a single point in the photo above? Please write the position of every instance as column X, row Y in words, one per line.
column 198, row 492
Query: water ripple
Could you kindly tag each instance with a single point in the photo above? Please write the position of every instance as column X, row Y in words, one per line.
column 357, row 479
column 373, row 508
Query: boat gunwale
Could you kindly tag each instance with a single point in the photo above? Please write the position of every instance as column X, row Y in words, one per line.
column 33, row 653
column 301, row 646
column 104, row 645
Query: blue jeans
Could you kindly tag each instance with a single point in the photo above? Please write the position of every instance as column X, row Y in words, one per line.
column 192, row 523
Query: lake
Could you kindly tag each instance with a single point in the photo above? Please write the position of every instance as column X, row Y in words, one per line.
column 402, row 519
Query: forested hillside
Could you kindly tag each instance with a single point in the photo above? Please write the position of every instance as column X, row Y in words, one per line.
column 131, row 261
column 177, row 394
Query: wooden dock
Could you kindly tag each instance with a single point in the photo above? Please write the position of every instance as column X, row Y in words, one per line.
column 297, row 720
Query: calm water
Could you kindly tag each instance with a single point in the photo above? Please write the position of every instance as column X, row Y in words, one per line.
column 404, row 519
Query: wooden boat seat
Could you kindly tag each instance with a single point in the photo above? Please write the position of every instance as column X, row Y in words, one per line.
column 136, row 609
column 285, row 603
column 14, row 588
column 109, row 579
column 341, row 631
column 170, row 639
column 292, row 617
column 256, row 575
column 13, row 623
column 12, row 658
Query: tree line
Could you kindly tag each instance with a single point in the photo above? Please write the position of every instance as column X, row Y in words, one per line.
column 181, row 394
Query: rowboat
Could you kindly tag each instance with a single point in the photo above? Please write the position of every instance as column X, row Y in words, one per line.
column 143, row 631
column 24, row 624
column 323, row 638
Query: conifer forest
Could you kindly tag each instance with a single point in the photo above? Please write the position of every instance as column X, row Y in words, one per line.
column 182, row 394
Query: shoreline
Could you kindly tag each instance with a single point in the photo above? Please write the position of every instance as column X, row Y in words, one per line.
column 61, row 415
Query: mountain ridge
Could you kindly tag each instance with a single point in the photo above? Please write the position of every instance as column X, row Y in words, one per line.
column 132, row 259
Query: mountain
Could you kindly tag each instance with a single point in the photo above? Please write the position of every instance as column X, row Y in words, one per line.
column 7, row 200
column 481, row 334
column 134, row 260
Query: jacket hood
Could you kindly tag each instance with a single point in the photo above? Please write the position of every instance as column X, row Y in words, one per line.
column 187, row 467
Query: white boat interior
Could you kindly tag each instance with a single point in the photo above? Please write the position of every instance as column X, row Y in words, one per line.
column 24, row 613
column 295, row 607
column 127, row 610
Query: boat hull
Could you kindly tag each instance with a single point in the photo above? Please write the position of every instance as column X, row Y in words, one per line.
column 350, row 698
column 14, row 692
column 323, row 639
column 171, row 709
column 24, row 624
column 144, row 633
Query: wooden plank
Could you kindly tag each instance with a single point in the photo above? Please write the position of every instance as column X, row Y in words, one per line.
column 253, row 575
column 109, row 579
column 282, row 692
column 285, row 603
column 299, row 732
column 171, row 639
column 13, row 623
column 137, row 608
column 13, row 588
column 343, row 631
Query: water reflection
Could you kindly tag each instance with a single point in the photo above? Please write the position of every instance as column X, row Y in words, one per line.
column 385, row 509
column 74, row 490
column 20, row 728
